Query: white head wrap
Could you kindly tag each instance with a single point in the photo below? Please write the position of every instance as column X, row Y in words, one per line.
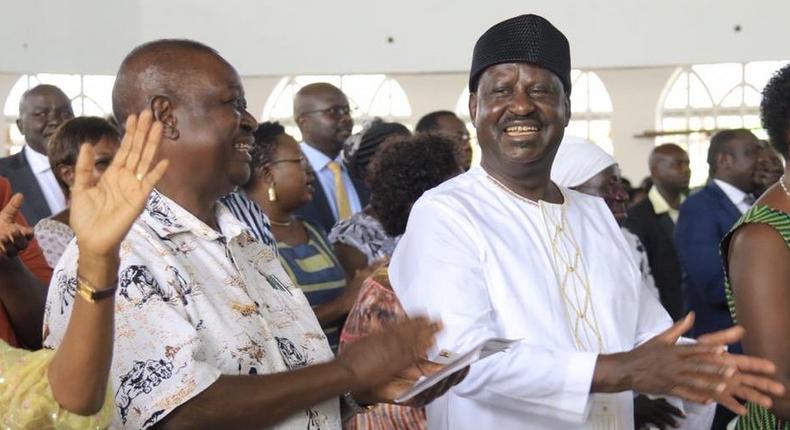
column 577, row 161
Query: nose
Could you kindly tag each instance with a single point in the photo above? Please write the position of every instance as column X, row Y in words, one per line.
column 521, row 104
column 248, row 122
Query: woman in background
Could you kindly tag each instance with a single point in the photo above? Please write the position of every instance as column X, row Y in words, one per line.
column 401, row 171
column 54, row 233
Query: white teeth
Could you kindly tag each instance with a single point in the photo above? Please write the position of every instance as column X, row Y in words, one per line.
column 521, row 129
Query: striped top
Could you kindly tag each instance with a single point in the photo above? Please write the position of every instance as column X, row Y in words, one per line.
column 757, row 417
column 313, row 267
column 248, row 212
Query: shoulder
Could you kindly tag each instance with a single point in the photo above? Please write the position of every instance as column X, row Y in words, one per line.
column 14, row 160
column 459, row 191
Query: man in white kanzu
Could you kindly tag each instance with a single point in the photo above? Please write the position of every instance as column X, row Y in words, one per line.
column 501, row 251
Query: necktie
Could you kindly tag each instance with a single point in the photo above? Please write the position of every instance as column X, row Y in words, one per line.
column 341, row 197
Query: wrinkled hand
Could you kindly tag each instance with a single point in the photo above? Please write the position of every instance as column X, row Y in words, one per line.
column 103, row 212
column 13, row 237
column 379, row 357
column 657, row 412
column 750, row 380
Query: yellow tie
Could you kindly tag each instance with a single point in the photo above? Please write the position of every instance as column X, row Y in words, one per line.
column 341, row 197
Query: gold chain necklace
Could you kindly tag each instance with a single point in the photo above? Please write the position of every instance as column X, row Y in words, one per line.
column 569, row 268
column 511, row 192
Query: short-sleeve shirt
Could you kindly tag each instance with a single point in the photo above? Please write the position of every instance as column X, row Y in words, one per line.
column 192, row 304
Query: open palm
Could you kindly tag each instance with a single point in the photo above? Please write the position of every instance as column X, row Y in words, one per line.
column 103, row 211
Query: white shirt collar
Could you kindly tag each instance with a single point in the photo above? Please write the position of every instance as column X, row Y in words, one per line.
column 318, row 159
column 39, row 163
column 735, row 195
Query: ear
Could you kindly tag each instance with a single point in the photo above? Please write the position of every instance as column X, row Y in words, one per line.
column 66, row 174
column 567, row 109
column 473, row 106
column 162, row 108
column 19, row 125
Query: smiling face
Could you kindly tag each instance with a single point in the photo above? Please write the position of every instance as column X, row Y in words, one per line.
column 212, row 132
column 41, row 111
column 520, row 112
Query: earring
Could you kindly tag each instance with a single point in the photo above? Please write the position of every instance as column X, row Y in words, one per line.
column 272, row 193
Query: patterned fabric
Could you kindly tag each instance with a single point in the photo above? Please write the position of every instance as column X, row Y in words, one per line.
column 376, row 307
column 248, row 212
column 757, row 417
column 52, row 236
column 193, row 304
column 366, row 234
column 26, row 399
column 313, row 267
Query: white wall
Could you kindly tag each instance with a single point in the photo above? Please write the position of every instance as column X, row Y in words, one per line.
column 275, row 37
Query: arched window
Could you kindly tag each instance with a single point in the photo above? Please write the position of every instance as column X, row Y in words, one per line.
column 704, row 98
column 369, row 95
column 90, row 95
column 591, row 109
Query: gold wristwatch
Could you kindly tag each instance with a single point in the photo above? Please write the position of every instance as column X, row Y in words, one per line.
column 90, row 293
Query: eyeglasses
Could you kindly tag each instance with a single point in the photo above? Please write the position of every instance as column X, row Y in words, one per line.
column 334, row 111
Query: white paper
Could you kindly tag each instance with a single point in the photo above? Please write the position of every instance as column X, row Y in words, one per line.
column 454, row 362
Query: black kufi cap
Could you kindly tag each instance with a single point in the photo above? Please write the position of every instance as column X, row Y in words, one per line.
column 523, row 39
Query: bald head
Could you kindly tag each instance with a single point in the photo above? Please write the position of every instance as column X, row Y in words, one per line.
column 310, row 96
column 166, row 67
column 669, row 168
column 322, row 113
column 41, row 110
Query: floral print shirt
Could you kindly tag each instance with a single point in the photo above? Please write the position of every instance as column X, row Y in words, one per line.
column 192, row 304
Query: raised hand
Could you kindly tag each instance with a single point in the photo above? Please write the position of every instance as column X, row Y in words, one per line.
column 103, row 212
column 13, row 237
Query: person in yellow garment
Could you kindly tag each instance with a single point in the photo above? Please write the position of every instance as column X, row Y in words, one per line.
column 67, row 388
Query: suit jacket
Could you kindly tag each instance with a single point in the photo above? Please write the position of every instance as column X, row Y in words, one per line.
column 23, row 180
column 705, row 218
column 318, row 211
column 656, row 233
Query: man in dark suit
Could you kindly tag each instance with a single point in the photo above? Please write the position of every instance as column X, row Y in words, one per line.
column 42, row 109
column 323, row 115
column 653, row 221
column 705, row 218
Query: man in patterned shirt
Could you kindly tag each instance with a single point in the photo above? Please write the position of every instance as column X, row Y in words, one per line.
column 211, row 333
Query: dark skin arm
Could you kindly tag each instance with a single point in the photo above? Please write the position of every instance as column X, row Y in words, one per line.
column 369, row 368
column 700, row 373
column 760, row 277
column 21, row 293
column 350, row 258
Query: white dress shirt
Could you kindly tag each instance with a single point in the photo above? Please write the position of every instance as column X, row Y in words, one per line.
column 319, row 162
column 39, row 164
column 743, row 201
column 485, row 263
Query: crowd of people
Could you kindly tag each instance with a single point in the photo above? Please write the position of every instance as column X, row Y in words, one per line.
column 180, row 265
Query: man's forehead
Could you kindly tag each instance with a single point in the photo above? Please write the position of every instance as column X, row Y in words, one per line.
column 44, row 98
column 509, row 69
